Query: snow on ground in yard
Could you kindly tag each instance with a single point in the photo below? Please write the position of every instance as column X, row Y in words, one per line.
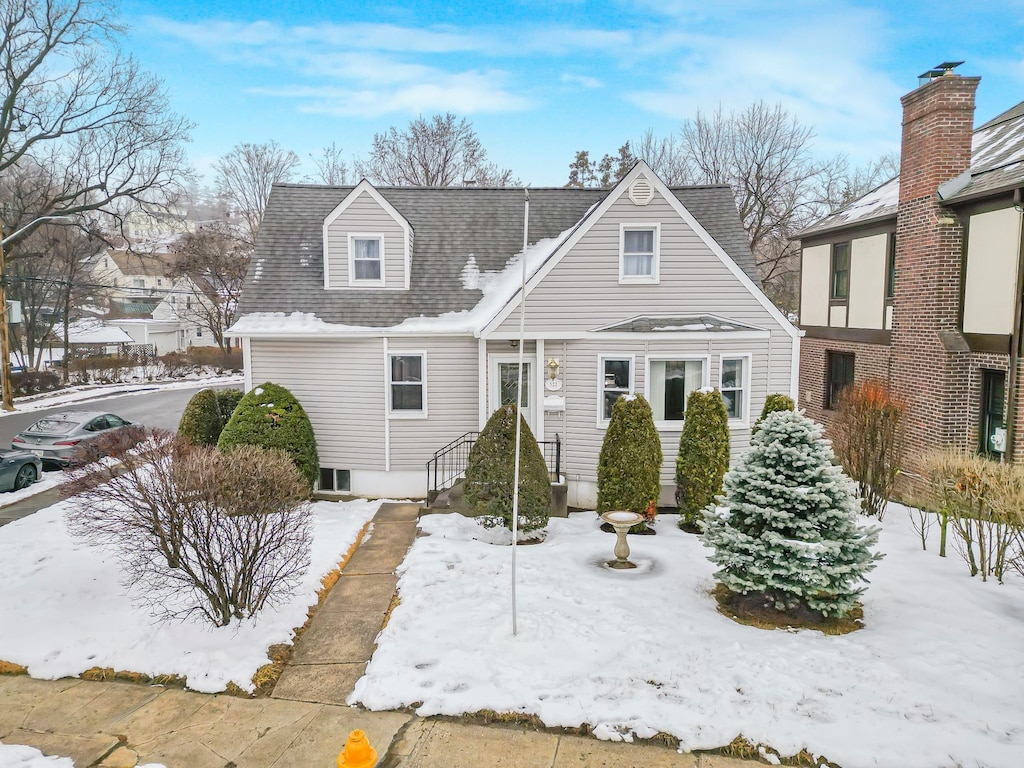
column 79, row 394
column 13, row 756
column 934, row 679
column 46, row 482
column 64, row 610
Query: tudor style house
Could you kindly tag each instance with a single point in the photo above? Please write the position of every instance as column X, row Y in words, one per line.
column 919, row 282
column 393, row 314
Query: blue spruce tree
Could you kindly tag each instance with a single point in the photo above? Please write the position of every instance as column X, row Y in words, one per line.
column 790, row 533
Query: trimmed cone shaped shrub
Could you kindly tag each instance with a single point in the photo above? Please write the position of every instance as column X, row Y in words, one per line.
column 269, row 416
column 789, row 537
column 703, row 455
column 775, row 402
column 490, row 473
column 629, row 466
column 207, row 412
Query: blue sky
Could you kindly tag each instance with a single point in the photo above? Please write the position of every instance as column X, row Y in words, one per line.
column 541, row 79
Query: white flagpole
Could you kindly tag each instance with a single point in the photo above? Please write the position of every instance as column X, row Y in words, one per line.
column 519, row 418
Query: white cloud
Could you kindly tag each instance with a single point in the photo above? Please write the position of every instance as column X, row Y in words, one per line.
column 579, row 81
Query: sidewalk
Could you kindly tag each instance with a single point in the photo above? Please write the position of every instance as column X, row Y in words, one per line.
column 305, row 721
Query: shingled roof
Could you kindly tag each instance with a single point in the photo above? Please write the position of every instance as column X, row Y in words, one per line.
column 286, row 273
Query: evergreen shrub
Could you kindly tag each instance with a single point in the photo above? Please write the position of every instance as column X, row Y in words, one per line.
column 490, row 474
column 207, row 412
column 776, row 401
column 629, row 465
column 789, row 536
column 269, row 416
column 703, row 455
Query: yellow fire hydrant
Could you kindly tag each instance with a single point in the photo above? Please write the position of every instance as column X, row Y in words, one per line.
column 357, row 752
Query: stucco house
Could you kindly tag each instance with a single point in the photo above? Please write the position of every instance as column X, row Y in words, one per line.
column 393, row 314
column 919, row 282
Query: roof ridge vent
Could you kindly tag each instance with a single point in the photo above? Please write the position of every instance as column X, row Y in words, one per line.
column 641, row 191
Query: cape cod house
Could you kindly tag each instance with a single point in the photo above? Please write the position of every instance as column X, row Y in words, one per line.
column 920, row 282
column 393, row 314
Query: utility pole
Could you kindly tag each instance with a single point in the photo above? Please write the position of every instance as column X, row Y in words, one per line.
column 7, row 402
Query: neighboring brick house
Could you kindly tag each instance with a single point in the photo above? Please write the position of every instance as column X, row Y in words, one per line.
column 919, row 281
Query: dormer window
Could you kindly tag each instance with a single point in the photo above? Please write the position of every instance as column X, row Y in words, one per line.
column 367, row 263
column 638, row 260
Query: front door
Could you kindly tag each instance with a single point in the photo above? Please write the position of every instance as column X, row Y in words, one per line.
column 504, row 380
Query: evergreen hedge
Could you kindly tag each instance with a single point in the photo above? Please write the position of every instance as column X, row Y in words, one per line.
column 269, row 416
column 490, row 474
column 207, row 413
column 703, row 454
column 629, row 466
column 775, row 402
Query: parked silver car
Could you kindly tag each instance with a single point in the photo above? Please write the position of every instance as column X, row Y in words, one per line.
column 18, row 469
column 57, row 438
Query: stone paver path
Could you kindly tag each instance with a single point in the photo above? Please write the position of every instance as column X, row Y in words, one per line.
column 333, row 651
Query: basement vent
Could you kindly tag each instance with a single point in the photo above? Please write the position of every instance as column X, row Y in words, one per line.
column 641, row 192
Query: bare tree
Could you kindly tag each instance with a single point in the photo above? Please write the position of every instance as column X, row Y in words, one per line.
column 197, row 532
column 331, row 166
column 440, row 151
column 585, row 172
column 665, row 156
column 214, row 260
column 245, row 176
column 74, row 104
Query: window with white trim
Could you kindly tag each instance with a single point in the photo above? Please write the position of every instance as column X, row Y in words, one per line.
column 670, row 383
column 639, row 258
column 406, row 383
column 616, row 381
column 733, row 386
column 367, row 262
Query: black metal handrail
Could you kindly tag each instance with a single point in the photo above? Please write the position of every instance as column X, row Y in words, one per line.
column 448, row 465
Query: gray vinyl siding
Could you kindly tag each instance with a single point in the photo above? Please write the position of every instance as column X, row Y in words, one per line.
column 693, row 281
column 452, row 397
column 340, row 384
column 365, row 215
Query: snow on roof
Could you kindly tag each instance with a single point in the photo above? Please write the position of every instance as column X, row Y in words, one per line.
column 880, row 202
column 498, row 288
column 90, row 331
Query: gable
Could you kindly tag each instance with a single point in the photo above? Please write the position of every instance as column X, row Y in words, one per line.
column 364, row 215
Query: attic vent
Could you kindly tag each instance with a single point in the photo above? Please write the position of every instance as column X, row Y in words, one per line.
column 641, row 192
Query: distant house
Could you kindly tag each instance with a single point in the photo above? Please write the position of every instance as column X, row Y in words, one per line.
column 393, row 314
column 134, row 283
column 920, row 281
column 175, row 324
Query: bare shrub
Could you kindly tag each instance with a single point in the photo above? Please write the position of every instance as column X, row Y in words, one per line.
column 199, row 533
column 868, row 439
column 982, row 500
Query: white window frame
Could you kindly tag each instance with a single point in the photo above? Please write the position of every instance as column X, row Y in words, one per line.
column 747, row 358
column 602, row 422
column 655, row 277
column 673, row 426
column 403, row 413
column 363, row 283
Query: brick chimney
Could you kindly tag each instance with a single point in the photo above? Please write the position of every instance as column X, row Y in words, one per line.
column 938, row 121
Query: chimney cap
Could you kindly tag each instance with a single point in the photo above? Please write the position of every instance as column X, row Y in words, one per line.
column 944, row 68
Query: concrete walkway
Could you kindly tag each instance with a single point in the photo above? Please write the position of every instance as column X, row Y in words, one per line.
column 305, row 721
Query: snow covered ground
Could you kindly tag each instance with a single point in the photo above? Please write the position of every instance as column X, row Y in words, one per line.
column 63, row 609
column 934, row 679
column 13, row 756
column 85, row 392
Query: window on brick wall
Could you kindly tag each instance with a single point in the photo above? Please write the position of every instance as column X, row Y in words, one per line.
column 890, row 268
column 993, row 421
column 840, row 272
column 838, row 376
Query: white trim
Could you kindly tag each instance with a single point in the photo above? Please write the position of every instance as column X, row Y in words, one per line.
column 748, row 364
column 794, row 370
column 403, row 414
column 595, row 214
column 354, row 282
column 387, row 420
column 640, row 226
column 602, row 422
column 247, row 363
column 705, row 380
column 481, row 372
column 739, row 327
column 343, row 333
column 495, row 384
column 538, row 381
column 359, row 189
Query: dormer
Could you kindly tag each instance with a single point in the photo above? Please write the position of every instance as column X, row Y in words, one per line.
column 367, row 243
